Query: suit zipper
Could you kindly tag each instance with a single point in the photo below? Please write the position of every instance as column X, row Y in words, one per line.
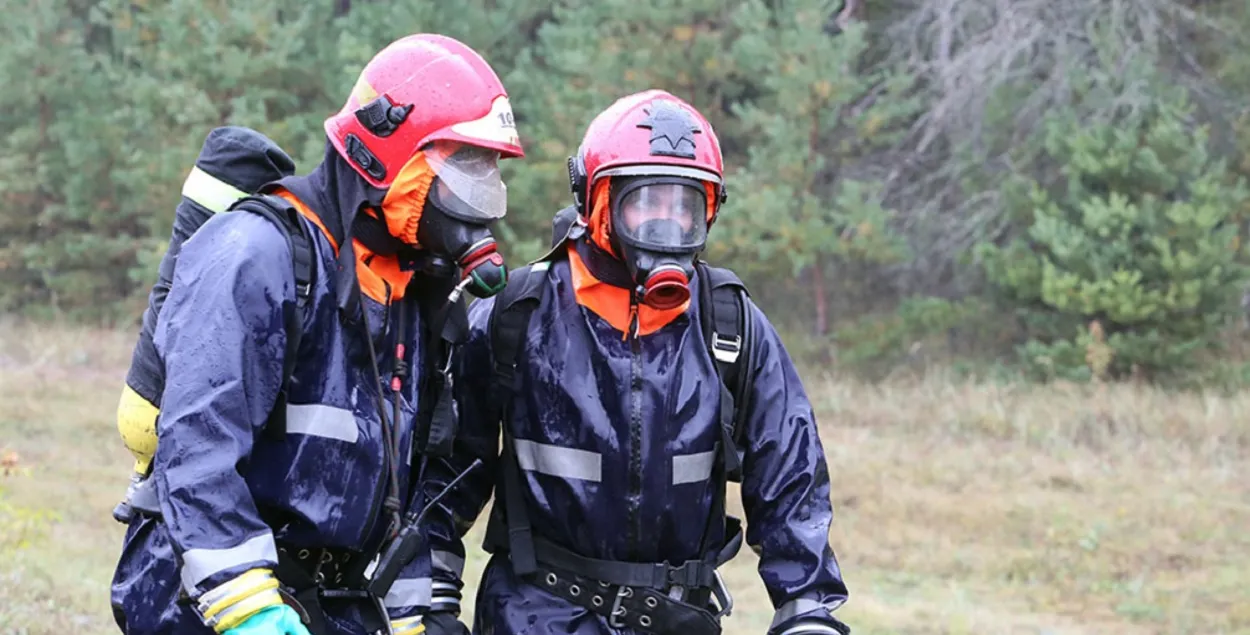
column 635, row 432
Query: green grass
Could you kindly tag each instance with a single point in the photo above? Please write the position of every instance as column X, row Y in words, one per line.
column 961, row 508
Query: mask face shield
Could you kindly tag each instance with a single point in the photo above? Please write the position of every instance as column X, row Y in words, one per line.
column 663, row 214
column 467, row 182
column 659, row 224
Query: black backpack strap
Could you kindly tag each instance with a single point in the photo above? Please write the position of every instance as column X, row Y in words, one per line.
column 286, row 218
column 509, row 321
column 726, row 323
column 436, row 418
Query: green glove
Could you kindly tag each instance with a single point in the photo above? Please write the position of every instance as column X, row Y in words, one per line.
column 273, row 620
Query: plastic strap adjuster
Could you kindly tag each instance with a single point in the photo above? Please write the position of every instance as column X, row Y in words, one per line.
column 726, row 349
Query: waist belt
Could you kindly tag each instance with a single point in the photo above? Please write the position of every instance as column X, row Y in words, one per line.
column 310, row 577
column 645, row 596
column 639, row 608
column 653, row 575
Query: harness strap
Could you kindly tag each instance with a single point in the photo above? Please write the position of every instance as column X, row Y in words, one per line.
column 286, row 218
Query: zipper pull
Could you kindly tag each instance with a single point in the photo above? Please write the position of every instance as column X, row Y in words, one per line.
column 633, row 317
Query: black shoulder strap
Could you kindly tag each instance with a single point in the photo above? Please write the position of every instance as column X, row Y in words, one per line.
column 509, row 321
column 726, row 323
column 286, row 218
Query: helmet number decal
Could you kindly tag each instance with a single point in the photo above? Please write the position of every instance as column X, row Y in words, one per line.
column 498, row 126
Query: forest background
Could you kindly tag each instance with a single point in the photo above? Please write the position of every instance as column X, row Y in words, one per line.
column 1004, row 239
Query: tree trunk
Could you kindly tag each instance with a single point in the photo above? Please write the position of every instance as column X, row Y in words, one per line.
column 850, row 10
column 818, row 293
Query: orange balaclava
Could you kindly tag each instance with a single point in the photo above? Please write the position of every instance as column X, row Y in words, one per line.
column 405, row 200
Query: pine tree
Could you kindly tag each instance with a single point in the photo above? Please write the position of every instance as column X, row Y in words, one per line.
column 796, row 205
column 1135, row 248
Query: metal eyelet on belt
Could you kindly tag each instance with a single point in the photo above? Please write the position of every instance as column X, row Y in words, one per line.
column 346, row 556
column 338, row 578
column 627, row 591
column 575, row 590
column 645, row 620
column 597, row 601
column 327, row 557
column 320, row 577
column 604, row 584
column 303, row 554
column 651, row 603
column 552, row 579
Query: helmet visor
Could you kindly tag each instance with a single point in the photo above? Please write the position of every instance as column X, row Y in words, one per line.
column 467, row 183
column 662, row 214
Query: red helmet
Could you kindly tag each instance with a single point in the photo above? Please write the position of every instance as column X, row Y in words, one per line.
column 419, row 89
column 647, row 133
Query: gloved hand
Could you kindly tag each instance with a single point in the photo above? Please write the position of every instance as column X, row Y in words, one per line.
column 439, row 623
column 274, row 620
column 249, row 604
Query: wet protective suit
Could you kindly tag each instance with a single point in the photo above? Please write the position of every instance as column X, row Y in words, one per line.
column 303, row 354
column 631, row 382
column 311, row 503
column 610, row 442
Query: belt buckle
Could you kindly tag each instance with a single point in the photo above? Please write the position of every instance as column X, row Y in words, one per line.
column 724, row 600
column 618, row 611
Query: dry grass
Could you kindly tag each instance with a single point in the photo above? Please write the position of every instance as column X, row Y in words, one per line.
column 961, row 508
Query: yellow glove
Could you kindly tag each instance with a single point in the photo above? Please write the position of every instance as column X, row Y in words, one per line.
column 408, row 626
column 245, row 595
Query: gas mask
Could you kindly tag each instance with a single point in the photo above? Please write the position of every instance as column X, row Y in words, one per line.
column 464, row 197
column 659, row 224
column 445, row 232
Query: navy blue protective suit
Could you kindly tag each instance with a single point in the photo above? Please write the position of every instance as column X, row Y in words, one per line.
column 616, row 437
column 231, row 496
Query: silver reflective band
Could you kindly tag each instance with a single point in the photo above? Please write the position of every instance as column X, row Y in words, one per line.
column 445, row 586
column 410, row 592
column 320, row 420
column 448, row 561
column 799, row 606
column 213, row 193
column 557, row 461
column 199, row 564
column 811, row 628
column 407, row 625
column 444, row 604
column 693, row 468
column 269, row 597
column 224, row 590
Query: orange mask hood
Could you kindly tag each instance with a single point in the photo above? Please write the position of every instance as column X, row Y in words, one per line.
column 404, row 201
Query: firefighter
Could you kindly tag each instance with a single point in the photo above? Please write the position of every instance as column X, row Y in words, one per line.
column 299, row 351
column 632, row 381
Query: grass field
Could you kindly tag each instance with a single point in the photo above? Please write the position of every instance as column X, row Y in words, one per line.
column 961, row 508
